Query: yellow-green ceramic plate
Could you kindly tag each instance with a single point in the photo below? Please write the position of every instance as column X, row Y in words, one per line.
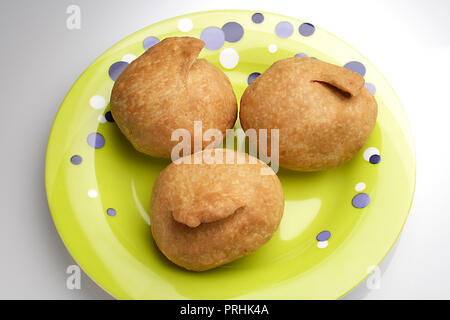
column 337, row 225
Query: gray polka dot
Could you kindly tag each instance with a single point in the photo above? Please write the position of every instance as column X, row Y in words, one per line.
column 96, row 140
column 233, row 31
column 371, row 87
column 258, row 17
column 323, row 236
column 356, row 66
column 111, row 212
column 284, row 29
column 361, row 200
column 116, row 69
column 375, row 159
column 213, row 37
column 76, row 160
column 306, row 29
column 149, row 42
column 252, row 77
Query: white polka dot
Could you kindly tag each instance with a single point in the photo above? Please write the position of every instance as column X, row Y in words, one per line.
column 360, row 186
column 370, row 152
column 322, row 244
column 128, row 57
column 229, row 58
column 101, row 118
column 273, row 48
column 92, row 193
column 185, row 25
column 97, row 102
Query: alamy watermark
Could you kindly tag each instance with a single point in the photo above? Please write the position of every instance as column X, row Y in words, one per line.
column 73, row 281
column 73, row 21
column 188, row 145
column 373, row 281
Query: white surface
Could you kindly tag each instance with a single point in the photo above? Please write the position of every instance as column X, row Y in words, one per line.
column 408, row 41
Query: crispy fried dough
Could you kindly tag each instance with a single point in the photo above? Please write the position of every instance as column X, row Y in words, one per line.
column 206, row 215
column 168, row 88
column 323, row 111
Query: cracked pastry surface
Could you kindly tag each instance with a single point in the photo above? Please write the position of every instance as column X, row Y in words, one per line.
column 168, row 88
column 323, row 112
column 205, row 215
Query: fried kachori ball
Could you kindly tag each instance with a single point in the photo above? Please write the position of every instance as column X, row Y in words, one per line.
column 208, row 214
column 168, row 88
column 323, row 112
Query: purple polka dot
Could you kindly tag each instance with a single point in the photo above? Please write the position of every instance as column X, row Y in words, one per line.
column 375, row 158
column 111, row 212
column 258, row 17
column 323, row 236
column 116, row 69
column 371, row 87
column 213, row 37
column 96, row 140
column 301, row 54
column 233, row 31
column 356, row 66
column 361, row 200
column 252, row 77
column 306, row 29
column 149, row 42
column 109, row 117
column 284, row 29
column 76, row 160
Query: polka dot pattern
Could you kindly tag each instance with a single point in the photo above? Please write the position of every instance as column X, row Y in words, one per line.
column 92, row 193
column 357, row 67
column 371, row 87
column 369, row 152
column 284, row 29
column 273, row 48
column 233, row 31
column 360, row 186
column 252, row 77
column 361, row 200
column 111, row 212
column 375, row 159
column 109, row 117
column 101, row 118
column 129, row 58
column 258, row 18
column 323, row 236
column 97, row 102
column 322, row 244
column 96, row 140
column 213, row 37
column 301, row 54
column 185, row 25
column 149, row 42
column 116, row 69
column 306, row 29
column 229, row 58
column 76, row 160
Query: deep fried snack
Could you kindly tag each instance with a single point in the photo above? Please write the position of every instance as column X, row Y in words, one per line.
column 168, row 88
column 323, row 112
column 205, row 215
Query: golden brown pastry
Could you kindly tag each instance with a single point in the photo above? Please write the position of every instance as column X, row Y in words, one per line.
column 168, row 88
column 205, row 215
column 323, row 112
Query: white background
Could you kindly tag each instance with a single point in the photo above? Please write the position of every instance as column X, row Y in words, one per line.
column 408, row 41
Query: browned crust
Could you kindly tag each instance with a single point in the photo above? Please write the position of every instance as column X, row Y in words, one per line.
column 324, row 112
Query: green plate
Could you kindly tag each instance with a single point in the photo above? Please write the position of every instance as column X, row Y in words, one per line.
column 99, row 187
